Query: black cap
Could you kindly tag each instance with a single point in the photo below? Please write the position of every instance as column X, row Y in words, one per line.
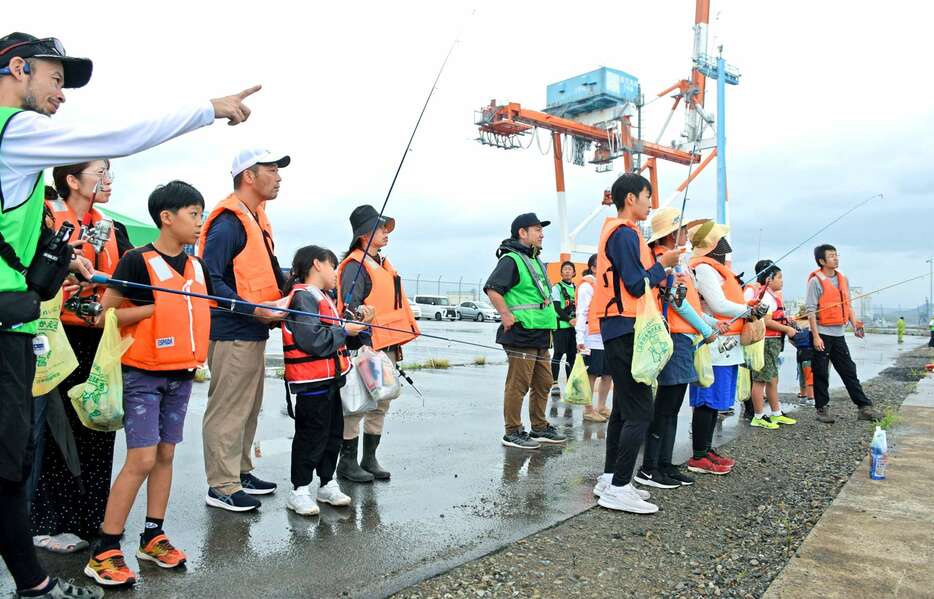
column 524, row 221
column 77, row 70
column 365, row 219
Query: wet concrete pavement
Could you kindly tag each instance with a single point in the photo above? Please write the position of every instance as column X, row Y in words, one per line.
column 456, row 493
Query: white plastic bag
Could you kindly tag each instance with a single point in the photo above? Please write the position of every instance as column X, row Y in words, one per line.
column 377, row 373
column 355, row 397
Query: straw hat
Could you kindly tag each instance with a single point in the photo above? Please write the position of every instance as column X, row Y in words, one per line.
column 706, row 236
column 668, row 220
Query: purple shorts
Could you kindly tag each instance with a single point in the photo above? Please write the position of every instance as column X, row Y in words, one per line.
column 154, row 408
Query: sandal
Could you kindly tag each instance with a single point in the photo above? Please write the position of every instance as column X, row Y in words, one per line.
column 62, row 543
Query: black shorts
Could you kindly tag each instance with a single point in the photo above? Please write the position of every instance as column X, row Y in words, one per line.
column 595, row 362
column 17, row 370
column 632, row 399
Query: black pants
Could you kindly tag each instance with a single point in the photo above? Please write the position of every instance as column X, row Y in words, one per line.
column 703, row 425
column 565, row 341
column 931, row 340
column 660, row 440
column 17, row 370
column 319, row 430
column 632, row 411
column 837, row 353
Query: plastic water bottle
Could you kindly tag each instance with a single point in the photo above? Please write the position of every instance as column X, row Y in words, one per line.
column 878, row 455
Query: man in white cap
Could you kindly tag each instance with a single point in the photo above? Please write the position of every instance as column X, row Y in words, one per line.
column 237, row 248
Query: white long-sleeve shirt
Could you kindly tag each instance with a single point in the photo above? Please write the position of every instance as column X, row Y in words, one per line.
column 713, row 301
column 33, row 142
column 584, row 297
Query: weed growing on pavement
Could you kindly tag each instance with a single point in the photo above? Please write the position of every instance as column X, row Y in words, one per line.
column 479, row 361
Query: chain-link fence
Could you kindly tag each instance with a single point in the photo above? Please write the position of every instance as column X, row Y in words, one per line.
column 460, row 290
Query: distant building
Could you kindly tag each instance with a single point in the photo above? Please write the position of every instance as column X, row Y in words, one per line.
column 862, row 305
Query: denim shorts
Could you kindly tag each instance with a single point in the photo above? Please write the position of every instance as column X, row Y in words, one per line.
column 680, row 368
column 154, row 408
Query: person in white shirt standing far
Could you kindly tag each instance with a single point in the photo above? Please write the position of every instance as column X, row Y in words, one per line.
column 33, row 74
column 590, row 344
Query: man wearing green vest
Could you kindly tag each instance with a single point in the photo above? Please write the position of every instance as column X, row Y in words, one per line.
column 33, row 73
column 565, row 339
column 519, row 290
column 931, row 326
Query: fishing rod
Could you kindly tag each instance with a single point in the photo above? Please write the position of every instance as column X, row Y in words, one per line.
column 100, row 279
column 408, row 146
column 670, row 295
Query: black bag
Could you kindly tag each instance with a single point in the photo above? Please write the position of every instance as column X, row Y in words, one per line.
column 18, row 307
column 49, row 268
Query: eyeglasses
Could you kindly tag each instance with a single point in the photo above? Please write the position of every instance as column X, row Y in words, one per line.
column 51, row 44
column 105, row 174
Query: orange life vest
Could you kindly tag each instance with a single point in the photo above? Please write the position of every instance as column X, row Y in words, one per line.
column 387, row 296
column 301, row 367
column 731, row 290
column 176, row 336
column 610, row 296
column 105, row 262
column 778, row 315
column 833, row 308
column 677, row 324
column 253, row 267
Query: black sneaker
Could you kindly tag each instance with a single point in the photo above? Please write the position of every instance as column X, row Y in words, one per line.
column 254, row 486
column 654, row 478
column 549, row 434
column 520, row 439
column 675, row 473
column 235, row 502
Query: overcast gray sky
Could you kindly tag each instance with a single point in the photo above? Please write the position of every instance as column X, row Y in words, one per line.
column 833, row 107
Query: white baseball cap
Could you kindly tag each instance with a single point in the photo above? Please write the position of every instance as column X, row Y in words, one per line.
column 250, row 156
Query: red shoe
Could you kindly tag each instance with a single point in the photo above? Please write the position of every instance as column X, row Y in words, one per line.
column 705, row 466
column 721, row 460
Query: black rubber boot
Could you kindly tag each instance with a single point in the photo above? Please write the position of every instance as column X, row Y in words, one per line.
column 347, row 467
column 369, row 463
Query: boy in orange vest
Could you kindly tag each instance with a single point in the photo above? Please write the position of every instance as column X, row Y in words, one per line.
column 829, row 311
column 170, row 334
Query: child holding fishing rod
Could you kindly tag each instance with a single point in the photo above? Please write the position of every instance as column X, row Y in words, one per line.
column 314, row 346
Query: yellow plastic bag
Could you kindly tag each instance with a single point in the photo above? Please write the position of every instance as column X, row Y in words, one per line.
column 703, row 364
column 743, row 384
column 652, row 346
column 578, row 391
column 54, row 366
column 755, row 355
column 99, row 401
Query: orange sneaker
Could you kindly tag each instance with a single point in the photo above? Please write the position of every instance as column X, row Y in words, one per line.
column 109, row 569
column 160, row 551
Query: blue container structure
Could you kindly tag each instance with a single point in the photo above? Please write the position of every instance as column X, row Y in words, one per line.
column 603, row 88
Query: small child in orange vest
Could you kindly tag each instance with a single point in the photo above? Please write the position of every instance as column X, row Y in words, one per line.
column 314, row 349
column 170, row 335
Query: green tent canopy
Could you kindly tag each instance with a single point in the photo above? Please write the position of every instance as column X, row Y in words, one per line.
column 140, row 233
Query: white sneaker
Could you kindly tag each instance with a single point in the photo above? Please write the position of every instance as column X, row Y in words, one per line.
column 331, row 493
column 604, row 481
column 625, row 499
column 301, row 503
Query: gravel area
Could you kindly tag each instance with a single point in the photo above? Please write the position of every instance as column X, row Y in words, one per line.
column 726, row 536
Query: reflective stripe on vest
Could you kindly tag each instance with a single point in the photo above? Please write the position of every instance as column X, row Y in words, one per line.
column 731, row 290
column 567, row 300
column 105, row 262
column 530, row 299
column 387, row 296
column 253, row 268
column 301, row 367
column 176, row 336
column 833, row 307
column 676, row 323
column 610, row 297
column 20, row 225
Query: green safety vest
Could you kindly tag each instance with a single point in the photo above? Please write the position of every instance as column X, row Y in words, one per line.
column 530, row 300
column 568, row 292
column 20, row 225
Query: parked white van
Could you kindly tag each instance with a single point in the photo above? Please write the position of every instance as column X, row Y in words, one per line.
column 436, row 307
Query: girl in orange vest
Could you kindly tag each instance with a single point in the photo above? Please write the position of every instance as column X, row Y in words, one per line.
column 378, row 285
column 58, row 513
column 316, row 362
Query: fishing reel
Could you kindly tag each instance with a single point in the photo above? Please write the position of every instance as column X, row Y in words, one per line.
column 757, row 312
column 87, row 308
column 674, row 295
column 98, row 235
column 727, row 343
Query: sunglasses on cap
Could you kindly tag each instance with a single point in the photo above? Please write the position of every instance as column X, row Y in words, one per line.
column 52, row 46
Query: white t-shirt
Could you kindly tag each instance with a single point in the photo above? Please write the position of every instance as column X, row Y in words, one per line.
column 584, row 297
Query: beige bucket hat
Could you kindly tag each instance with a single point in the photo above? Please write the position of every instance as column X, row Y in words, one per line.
column 706, row 236
column 668, row 220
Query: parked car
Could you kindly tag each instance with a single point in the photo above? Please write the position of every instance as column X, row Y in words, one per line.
column 416, row 310
column 479, row 311
column 436, row 306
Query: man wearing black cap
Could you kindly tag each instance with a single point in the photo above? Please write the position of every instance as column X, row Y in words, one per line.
column 378, row 285
column 520, row 292
column 33, row 73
